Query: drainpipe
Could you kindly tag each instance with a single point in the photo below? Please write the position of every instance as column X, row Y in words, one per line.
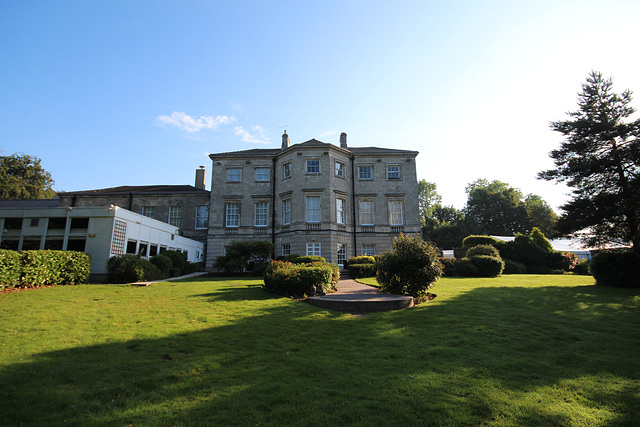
column 353, row 202
column 130, row 200
column 273, row 207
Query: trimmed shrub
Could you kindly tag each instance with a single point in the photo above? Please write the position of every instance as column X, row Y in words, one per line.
column 523, row 249
column 307, row 259
column 466, row 268
column 583, row 268
column 513, row 267
column 471, row 241
column 483, row 250
column 488, row 266
column 363, row 259
column 163, row 263
column 298, row 280
column 449, row 266
column 178, row 262
column 409, row 268
column 361, row 270
column 244, row 256
column 129, row 268
column 616, row 268
column 10, row 268
column 43, row 268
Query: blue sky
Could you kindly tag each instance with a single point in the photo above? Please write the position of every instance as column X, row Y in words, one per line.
column 112, row 93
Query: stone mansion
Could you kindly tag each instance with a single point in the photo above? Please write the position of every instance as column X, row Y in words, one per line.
column 313, row 198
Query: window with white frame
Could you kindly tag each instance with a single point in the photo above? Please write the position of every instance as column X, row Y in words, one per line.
column 340, row 211
column 147, row 211
column 286, row 212
column 286, row 249
column 313, row 208
column 365, row 172
column 202, row 216
column 313, row 165
column 342, row 253
column 174, row 216
column 366, row 212
column 232, row 217
column 369, row 250
column 313, row 249
column 234, row 174
column 393, row 172
column 261, row 214
column 262, row 174
column 395, row 212
column 340, row 169
column 286, row 170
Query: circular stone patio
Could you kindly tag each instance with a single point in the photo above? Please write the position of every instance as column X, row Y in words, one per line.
column 355, row 297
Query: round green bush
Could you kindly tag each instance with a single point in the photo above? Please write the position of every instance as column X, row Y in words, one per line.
column 130, row 268
column 449, row 267
column 583, row 268
column 178, row 260
column 513, row 267
column 471, row 241
column 488, row 266
column 361, row 270
column 466, row 268
column 307, row 259
column 363, row 259
column 483, row 250
column 616, row 268
column 163, row 263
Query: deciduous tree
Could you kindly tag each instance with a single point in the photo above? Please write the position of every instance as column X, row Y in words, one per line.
column 22, row 177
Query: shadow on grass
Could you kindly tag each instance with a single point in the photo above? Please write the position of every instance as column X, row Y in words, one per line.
column 514, row 355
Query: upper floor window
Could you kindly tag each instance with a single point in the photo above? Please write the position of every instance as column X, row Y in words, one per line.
column 232, row 211
column 340, row 214
column 340, row 169
column 147, row 211
column 286, row 212
column 262, row 174
column 395, row 212
column 313, row 165
column 366, row 212
column 393, row 172
column 286, row 170
column 174, row 216
column 313, row 208
column 234, row 174
column 365, row 172
column 202, row 216
column 261, row 214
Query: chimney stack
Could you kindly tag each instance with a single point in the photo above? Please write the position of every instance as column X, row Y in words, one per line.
column 201, row 177
column 285, row 140
column 343, row 140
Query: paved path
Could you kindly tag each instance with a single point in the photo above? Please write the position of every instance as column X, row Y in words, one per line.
column 350, row 286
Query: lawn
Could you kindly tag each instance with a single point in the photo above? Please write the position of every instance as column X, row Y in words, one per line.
column 516, row 350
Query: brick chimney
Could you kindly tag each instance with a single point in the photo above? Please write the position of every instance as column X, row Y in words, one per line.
column 201, row 177
column 285, row 140
column 343, row 140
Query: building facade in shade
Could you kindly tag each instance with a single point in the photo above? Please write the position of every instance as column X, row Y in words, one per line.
column 313, row 198
column 182, row 206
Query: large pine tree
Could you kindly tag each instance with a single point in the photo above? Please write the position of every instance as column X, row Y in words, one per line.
column 600, row 159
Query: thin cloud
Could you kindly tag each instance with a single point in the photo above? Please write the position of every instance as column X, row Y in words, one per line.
column 328, row 133
column 190, row 124
column 257, row 135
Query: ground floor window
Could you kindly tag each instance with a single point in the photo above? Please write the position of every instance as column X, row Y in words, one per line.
column 313, row 249
column 286, row 249
column 369, row 250
column 342, row 254
column 131, row 246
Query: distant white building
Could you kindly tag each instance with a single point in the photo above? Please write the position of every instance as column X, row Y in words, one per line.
column 102, row 232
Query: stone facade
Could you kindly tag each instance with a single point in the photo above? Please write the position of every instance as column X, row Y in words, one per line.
column 184, row 206
column 313, row 198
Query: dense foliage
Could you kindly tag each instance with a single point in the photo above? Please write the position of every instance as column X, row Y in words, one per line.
column 301, row 280
column 22, row 177
column 241, row 256
column 361, row 266
column 410, row 267
column 600, row 160
column 475, row 240
column 43, row 268
column 163, row 263
column 616, row 268
column 129, row 269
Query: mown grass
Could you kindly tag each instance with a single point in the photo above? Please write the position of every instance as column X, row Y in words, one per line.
column 516, row 350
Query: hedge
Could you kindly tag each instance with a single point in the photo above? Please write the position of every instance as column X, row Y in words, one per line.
column 363, row 259
column 129, row 268
column 361, row 270
column 615, row 268
column 43, row 268
column 299, row 280
column 488, row 266
column 471, row 241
